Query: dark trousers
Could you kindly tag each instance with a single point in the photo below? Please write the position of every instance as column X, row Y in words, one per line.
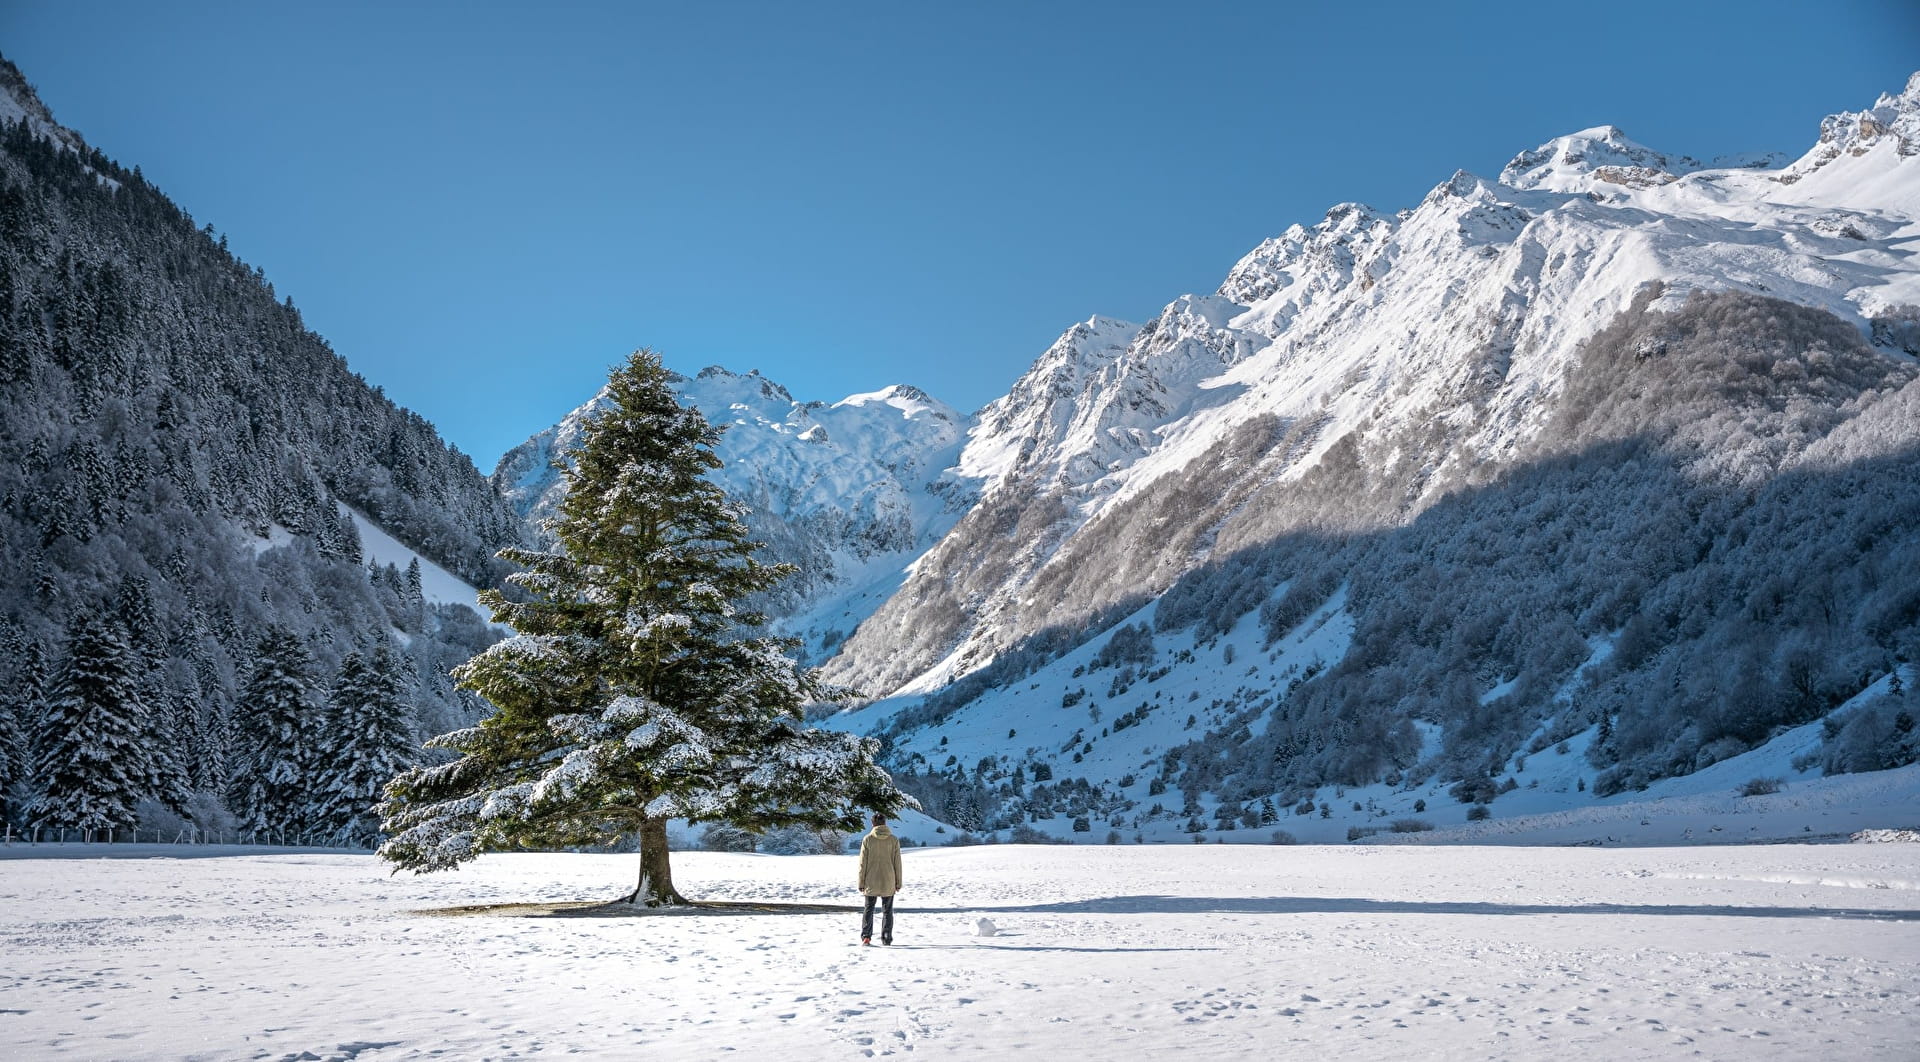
column 886, row 919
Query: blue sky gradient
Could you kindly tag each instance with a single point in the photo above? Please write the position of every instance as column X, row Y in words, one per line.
column 483, row 206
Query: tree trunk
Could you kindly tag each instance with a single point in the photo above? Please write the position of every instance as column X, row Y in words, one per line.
column 655, row 888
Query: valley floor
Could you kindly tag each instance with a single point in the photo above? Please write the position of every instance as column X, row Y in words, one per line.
column 1211, row 951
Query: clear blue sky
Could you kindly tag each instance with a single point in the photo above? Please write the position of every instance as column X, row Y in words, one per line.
column 483, row 206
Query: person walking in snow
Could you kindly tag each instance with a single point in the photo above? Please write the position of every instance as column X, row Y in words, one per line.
column 879, row 879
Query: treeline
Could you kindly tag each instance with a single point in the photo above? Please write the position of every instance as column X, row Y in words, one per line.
column 100, row 745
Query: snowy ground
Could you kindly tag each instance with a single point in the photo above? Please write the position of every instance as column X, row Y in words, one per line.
column 1213, row 951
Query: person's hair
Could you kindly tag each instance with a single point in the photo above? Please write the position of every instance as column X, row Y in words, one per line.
column 879, row 819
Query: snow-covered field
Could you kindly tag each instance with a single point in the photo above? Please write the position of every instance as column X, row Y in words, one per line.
column 1211, row 951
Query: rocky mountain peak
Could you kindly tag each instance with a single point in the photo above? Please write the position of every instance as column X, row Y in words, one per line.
column 1603, row 154
column 19, row 101
column 1330, row 244
column 1894, row 118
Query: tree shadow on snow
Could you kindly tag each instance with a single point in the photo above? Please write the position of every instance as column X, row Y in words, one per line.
column 1175, row 905
column 622, row 909
column 1025, row 947
column 1203, row 905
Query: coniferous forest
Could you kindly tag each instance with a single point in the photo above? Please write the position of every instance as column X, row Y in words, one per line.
column 189, row 633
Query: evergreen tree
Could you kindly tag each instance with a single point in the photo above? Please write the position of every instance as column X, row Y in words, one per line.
column 13, row 756
column 269, row 792
column 89, row 763
column 636, row 691
column 367, row 741
column 20, row 710
column 163, row 773
column 133, row 609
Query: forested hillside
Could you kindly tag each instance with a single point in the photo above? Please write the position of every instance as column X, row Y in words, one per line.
column 181, row 582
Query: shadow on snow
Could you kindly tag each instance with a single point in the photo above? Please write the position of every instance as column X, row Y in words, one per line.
column 1186, row 905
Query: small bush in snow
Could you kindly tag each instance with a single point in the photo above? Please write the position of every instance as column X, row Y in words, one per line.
column 1479, row 812
column 799, row 840
column 721, row 837
column 1411, row 826
column 1762, row 786
column 1281, row 837
column 1474, row 790
column 1025, row 834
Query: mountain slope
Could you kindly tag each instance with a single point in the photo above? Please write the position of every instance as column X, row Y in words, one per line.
column 1464, row 313
column 179, row 451
column 1540, row 436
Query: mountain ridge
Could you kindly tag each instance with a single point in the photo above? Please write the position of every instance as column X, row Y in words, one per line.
column 1543, row 269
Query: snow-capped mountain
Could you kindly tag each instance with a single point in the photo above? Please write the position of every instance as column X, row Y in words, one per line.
column 848, row 491
column 1464, row 313
column 1415, row 494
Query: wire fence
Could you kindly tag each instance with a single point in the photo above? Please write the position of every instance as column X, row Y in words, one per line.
column 190, row 835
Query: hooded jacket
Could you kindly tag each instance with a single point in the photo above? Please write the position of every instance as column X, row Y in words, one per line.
column 880, row 863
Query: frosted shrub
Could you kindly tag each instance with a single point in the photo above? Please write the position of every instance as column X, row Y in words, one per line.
column 1875, row 737
column 1132, row 644
column 800, row 840
column 1898, row 329
column 721, row 837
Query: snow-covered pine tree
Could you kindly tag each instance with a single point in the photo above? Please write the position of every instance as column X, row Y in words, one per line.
column 89, row 764
column 635, row 692
column 270, row 789
column 164, row 772
column 13, row 756
column 367, row 741
column 20, row 707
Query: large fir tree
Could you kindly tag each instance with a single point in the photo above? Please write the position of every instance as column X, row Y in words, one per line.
column 271, row 793
column 367, row 741
column 90, row 764
column 636, row 691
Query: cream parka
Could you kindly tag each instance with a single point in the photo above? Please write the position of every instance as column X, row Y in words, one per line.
column 880, row 863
